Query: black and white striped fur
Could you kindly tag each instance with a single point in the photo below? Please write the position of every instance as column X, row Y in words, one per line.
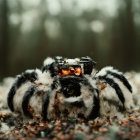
column 28, row 87
column 53, row 96
column 27, row 91
column 117, row 95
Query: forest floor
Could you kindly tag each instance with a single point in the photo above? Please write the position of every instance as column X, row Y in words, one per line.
column 12, row 126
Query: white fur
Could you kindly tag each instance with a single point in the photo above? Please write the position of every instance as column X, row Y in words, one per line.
column 29, row 71
column 126, row 93
column 36, row 103
column 93, row 73
column 44, row 78
column 58, row 57
column 105, row 107
column 4, row 89
column 134, row 80
column 104, row 70
column 77, row 59
column 72, row 111
column 73, row 99
column 51, row 109
column 110, row 93
column 87, row 98
column 72, row 61
column 92, row 82
column 4, row 128
column 48, row 61
column 17, row 100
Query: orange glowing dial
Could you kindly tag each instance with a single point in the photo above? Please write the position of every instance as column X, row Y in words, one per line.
column 78, row 71
column 65, row 72
column 71, row 71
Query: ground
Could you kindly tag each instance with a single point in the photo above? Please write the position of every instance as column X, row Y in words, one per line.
column 126, row 127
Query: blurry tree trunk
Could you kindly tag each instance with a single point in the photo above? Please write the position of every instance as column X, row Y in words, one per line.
column 129, row 35
column 123, row 37
column 4, row 38
column 42, row 48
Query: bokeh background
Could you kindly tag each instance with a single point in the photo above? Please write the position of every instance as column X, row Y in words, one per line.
column 106, row 30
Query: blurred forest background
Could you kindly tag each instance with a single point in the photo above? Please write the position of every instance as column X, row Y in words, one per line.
column 106, row 30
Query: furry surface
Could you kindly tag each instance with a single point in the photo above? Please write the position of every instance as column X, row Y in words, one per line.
column 124, row 125
column 116, row 94
column 53, row 94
